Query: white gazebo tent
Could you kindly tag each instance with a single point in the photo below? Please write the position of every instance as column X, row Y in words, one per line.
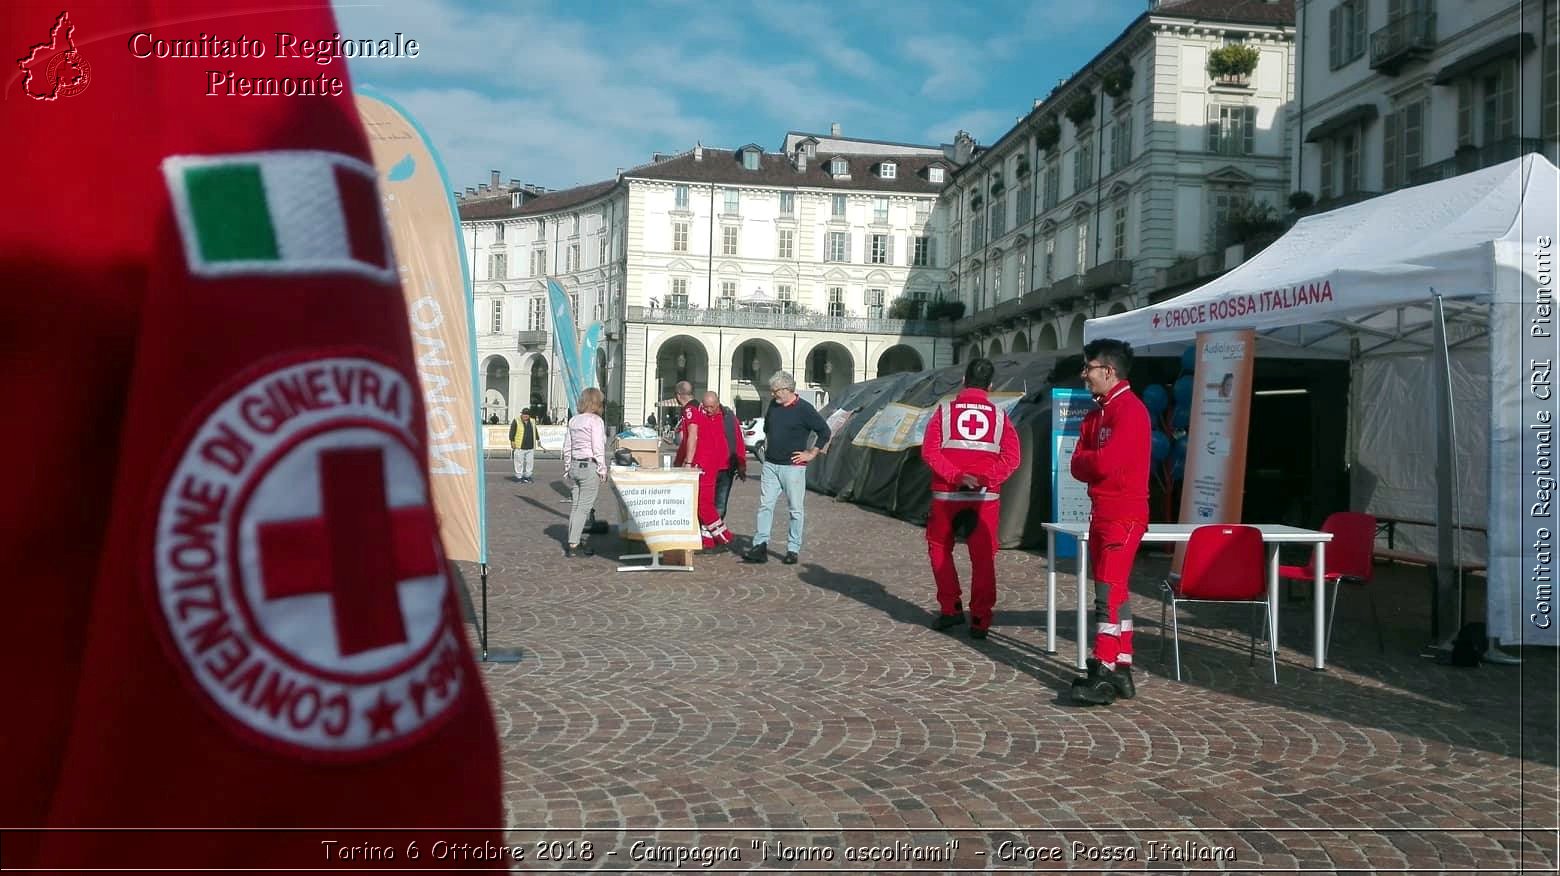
column 1363, row 282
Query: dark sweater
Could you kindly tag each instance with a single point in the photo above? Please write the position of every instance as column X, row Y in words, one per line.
column 786, row 430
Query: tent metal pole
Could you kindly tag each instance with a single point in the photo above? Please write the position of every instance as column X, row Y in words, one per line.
column 1448, row 597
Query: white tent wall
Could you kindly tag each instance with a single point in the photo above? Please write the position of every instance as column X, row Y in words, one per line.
column 1393, row 460
column 1357, row 282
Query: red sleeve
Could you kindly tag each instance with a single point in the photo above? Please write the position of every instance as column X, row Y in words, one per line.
column 1011, row 455
column 250, row 398
column 1083, row 459
column 932, row 451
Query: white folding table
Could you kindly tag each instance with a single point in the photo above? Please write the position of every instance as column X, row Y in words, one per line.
column 1170, row 533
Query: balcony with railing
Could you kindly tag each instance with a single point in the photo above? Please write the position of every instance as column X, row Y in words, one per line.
column 1405, row 38
column 1471, row 158
column 532, row 339
column 1116, row 272
column 770, row 320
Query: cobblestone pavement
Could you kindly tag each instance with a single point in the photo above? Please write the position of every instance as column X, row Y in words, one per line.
column 796, row 715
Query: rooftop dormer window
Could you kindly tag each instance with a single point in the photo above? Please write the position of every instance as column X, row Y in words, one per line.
column 888, row 170
column 750, row 159
column 934, row 174
column 838, row 167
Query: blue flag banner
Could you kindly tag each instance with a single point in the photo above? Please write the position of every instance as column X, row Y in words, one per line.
column 566, row 342
column 588, row 347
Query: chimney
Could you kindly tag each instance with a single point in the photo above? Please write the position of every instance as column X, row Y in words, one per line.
column 834, row 129
column 963, row 147
column 493, row 181
column 470, row 191
column 514, row 184
column 698, row 152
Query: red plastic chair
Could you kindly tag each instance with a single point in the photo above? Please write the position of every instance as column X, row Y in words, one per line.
column 1223, row 563
column 1349, row 558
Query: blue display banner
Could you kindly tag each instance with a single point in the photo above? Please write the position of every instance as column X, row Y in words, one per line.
column 1069, row 496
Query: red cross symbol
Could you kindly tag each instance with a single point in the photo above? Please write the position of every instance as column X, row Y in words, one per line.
column 972, row 424
column 355, row 552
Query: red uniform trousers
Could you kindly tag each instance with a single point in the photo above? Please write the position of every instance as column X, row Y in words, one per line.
column 982, row 543
column 1113, row 546
column 712, row 528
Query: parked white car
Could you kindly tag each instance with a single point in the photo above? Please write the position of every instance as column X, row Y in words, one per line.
column 753, row 436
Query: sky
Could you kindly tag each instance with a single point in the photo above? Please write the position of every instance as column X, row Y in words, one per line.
column 562, row 94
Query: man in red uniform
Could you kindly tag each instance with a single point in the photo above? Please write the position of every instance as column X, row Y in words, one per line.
column 709, row 452
column 1112, row 457
column 971, row 447
column 688, row 407
column 228, row 606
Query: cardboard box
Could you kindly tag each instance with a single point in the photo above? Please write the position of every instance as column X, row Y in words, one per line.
column 647, row 451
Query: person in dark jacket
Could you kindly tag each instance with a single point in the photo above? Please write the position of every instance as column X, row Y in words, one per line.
column 736, row 468
column 788, row 425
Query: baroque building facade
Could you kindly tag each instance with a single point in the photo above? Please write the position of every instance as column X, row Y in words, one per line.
column 717, row 266
column 1396, row 93
column 516, row 238
column 1123, row 185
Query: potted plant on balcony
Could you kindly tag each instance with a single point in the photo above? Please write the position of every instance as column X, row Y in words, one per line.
column 1301, row 201
column 1233, row 65
column 944, row 308
column 1254, row 224
column 1117, row 81
column 1081, row 110
column 905, row 308
column 1048, row 134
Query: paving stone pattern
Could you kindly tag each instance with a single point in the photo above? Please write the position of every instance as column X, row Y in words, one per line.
column 790, row 715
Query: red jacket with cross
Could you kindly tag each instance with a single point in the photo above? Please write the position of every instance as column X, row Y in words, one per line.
column 228, row 605
column 969, row 435
column 1113, row 453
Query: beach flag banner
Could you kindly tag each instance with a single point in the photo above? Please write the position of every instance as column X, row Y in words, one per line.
column 425, row 232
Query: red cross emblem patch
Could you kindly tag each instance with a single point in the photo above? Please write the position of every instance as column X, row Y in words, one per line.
column 298, row 566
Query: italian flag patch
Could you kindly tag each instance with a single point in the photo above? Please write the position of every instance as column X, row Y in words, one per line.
column 284, row 212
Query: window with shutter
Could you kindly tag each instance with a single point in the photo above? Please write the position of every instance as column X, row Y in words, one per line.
column 1390, row 147
column 1326, row 189
column 1549, row 118
column 1335, row 37
column 1464, row 112
column 1506, row 103
column 1413, row 136
column 1349, row 145
column 1249, row 135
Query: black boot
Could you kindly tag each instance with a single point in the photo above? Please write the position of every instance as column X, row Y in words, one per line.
column 1096, row 688
column 1122, row 679
column 948, row 621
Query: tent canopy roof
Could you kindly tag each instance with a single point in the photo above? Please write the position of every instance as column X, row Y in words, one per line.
column 1369, row 270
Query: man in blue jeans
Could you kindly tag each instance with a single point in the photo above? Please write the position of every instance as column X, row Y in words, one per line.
column 787, row 425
